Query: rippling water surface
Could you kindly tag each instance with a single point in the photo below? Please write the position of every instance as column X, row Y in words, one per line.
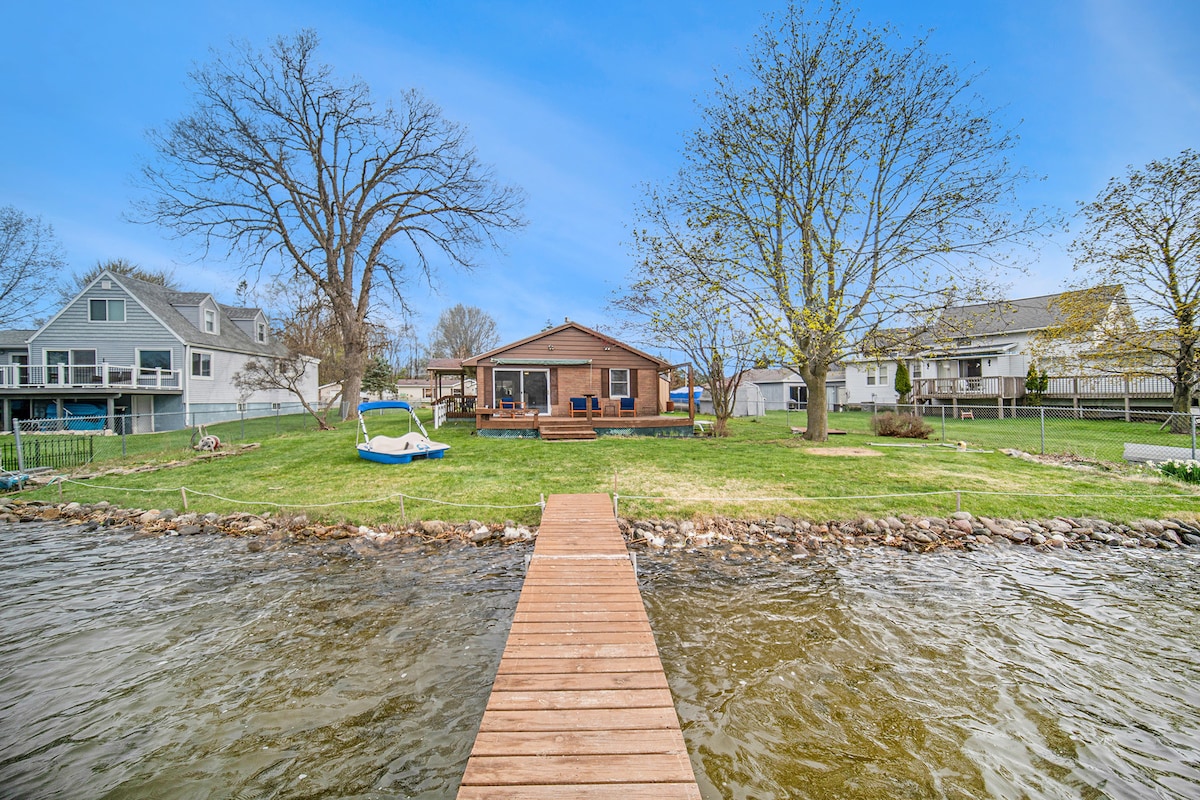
column 886, row 675
column 191, row 668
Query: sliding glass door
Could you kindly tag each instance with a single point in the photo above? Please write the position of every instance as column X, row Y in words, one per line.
column 530, row 386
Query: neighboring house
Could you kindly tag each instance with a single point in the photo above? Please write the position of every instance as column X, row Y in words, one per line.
column 124, row 346
column 980, row 354
column 783, row 388
column 545, row 371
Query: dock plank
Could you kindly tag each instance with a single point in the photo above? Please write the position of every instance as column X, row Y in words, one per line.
column 580, row 707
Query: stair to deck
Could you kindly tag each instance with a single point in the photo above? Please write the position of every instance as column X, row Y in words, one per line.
column 568, row 432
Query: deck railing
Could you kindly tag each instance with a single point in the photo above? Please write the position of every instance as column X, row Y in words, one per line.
column 76, row 377
column 995, row 386
column 1092, row 386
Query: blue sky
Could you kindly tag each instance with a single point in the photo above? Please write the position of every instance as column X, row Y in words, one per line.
column 578, row 103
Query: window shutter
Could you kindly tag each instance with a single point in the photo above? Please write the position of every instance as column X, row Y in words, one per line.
column 633, row 383
column 554, row 386
column 604, row 381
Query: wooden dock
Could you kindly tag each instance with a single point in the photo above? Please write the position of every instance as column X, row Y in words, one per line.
column 580, row 707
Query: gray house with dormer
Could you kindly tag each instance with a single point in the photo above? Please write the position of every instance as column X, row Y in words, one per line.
column 127, row 347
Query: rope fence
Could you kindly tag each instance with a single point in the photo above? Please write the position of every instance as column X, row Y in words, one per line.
column 185, row 491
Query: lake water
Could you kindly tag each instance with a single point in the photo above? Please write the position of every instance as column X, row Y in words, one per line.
column 192, row 668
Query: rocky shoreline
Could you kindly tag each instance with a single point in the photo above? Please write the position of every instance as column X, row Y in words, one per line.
column 734, row 539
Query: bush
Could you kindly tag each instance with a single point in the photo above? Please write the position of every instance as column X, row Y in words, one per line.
column 901, row 426
column 1186, row 471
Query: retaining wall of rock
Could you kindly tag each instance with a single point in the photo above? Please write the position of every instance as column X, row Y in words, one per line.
column 720, row 536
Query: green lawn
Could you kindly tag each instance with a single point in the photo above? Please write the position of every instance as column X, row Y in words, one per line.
column 762, row 469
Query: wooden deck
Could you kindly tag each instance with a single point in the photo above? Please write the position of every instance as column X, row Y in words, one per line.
column 580, row 707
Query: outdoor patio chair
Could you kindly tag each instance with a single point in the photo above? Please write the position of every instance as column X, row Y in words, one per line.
column 596, row 407
column 578, row 406
column 628, row 407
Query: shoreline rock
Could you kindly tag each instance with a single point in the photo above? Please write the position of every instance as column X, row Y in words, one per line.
column 729, row 538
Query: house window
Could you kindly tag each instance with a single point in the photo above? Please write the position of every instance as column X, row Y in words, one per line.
column 914, row 370
column 151, row 360
column 877, row 374
column 871, row 375
column 210, row 321
column 71, row 366
column 106, row 310
column 261, row 332
column 618, row 383
column 201, row 365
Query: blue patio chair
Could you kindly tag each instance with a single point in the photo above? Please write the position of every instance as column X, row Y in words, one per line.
column 628, row 407
column 578, row 406
column 596, row 407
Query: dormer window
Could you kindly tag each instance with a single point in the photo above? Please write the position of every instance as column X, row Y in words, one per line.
column 261, row 334
column 210, row 321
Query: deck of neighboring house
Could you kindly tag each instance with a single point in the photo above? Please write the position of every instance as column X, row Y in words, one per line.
column 1078, row 391
column 580, row 706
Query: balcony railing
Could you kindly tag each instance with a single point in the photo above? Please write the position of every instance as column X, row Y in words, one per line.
column 99, row 377
column 969, row 387
column 1096, row 386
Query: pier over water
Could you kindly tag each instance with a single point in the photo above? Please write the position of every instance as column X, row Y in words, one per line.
column 580, row 707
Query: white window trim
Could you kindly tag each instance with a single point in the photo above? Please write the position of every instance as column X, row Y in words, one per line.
column 192, row 366
column 205, row 315
column 611, row 372
column 137, row 356
column 872, row 374
column 260, row 332
column 107, row 316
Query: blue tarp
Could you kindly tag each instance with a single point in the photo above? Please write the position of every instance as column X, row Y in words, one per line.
column 680, row 395
column 80, row 416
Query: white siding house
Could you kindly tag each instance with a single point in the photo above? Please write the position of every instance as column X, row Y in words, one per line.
column 124, row 346
column 981, row 353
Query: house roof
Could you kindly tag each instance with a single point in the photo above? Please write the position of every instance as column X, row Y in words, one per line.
column 779, row 375
column 444, row 365
column 1022, row 314
column 568, row 325
column 15, row 338
column 161, row 302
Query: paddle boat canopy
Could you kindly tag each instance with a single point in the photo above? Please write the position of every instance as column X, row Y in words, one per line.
column 396, row 449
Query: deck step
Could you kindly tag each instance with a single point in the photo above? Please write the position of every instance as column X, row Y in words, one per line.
column 568, row 433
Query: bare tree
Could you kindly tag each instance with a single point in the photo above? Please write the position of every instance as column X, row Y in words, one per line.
column 695, row 319
column 30, row 259
column 462, row 332
column 1143, row 233
column 121, row 267
column 283, row 162
column 285, row 372
column 844, row 177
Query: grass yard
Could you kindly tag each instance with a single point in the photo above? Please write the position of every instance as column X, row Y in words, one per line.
column 762, row 469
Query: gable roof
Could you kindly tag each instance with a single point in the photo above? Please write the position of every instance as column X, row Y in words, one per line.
column 161, row 303
column 1022, row 314
column 474, row 361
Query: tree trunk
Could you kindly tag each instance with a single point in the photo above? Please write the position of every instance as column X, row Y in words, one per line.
column 356, row 360
column 817, row 429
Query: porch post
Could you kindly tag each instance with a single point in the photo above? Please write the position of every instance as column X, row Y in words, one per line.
column 691, row 396
column 112, row 410
column 6, row 415
column 999, row 408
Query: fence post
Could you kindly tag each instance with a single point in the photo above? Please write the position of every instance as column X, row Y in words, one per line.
column 20, row 449
column 1193, row 416
column 943, row 408
column 1043, row 410
column 125, row 423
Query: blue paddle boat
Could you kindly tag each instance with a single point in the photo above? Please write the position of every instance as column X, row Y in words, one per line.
column 396, row 449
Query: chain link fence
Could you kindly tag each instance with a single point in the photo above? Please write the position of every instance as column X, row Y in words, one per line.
column 77, row 441
column 1103, row 434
